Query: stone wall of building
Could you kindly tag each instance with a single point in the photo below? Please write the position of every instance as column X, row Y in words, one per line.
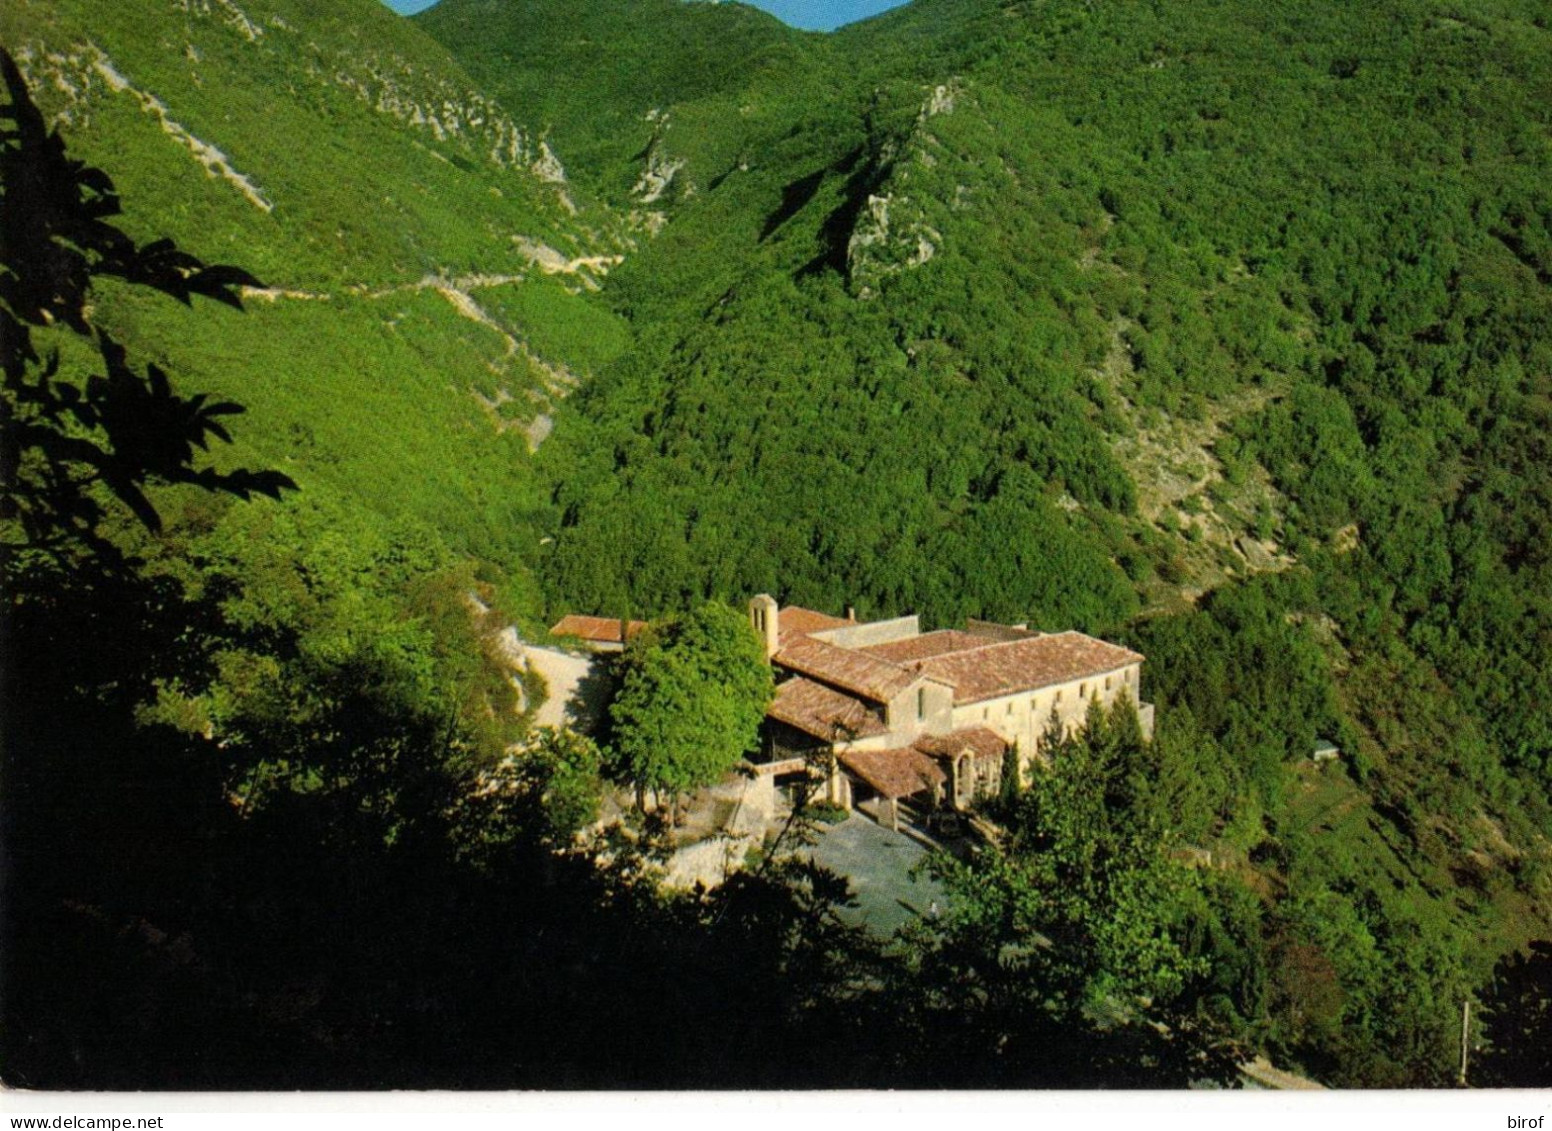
column 926, row 707
column 1024, row 717
column 875, row 632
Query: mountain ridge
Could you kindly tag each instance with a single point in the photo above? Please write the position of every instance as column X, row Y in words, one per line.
column 421, row 187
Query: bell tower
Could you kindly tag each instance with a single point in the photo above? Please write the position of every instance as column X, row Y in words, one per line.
column 765, row 615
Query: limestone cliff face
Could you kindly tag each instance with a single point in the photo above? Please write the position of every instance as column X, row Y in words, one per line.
column 391, row 85
column 386, row 81
column 661, row 168
column 898, row 226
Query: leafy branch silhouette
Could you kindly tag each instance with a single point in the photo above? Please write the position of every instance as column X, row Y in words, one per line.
column 60, row 436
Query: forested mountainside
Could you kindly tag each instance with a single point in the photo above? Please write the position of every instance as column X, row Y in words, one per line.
column 1222, row 328
column 426, row 262
column 1048, row 311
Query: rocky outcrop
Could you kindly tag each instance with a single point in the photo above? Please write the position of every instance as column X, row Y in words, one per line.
column 658, row 174
column 881, row 245
column 76, row 73
column 392, row 86
column 232, row 15
column 894, row 230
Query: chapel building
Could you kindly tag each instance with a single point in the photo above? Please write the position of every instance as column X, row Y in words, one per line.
column 898, row 715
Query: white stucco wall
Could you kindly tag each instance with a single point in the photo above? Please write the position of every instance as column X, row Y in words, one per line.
column 1023, row 717
column 906, row 718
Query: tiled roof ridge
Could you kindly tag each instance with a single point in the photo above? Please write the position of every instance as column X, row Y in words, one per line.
column 896, row 772
column 978, row 739
column 589, row 626
column 961, row 734
column 1025, row 641
column 987, row 645
column 976, row 674
column 821, row 710
column 1074, row 632
column 993, row 642
column 813, row 620
column 801, row 655
column 980, row 642
column 884, row 650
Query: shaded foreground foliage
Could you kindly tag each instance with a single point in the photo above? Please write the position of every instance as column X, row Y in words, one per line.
column 396, row 925
column 1519, row 1022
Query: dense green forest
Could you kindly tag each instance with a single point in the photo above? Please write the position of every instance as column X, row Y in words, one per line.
column 1223, row 329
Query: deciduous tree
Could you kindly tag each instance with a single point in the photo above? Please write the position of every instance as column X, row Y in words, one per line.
column 694, row 691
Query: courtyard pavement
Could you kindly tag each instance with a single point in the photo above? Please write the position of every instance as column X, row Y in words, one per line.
column 878, row 863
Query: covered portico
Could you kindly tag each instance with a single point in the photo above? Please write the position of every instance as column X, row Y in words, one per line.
column 895, row 775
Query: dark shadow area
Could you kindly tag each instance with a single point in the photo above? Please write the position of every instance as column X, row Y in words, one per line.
column 159, row 933
column 795, row 195
column 1517, row 1030
column 835, row 232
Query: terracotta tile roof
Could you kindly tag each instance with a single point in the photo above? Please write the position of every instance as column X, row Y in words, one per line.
column 796, row 621
column 991, row 630
column 1024, row 665
column 599, row 630
column 823, row 712
column 980, row 741
column 894, row 773
column 927, row 645
column 846, row 668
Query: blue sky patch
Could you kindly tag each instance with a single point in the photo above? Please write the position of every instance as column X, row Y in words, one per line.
column 815, row 15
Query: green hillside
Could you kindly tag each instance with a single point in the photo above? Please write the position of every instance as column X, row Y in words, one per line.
column 425, row 304
column 1039, row 311
column 628, row 86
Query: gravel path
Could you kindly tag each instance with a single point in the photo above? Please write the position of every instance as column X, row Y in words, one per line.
column 571, row 687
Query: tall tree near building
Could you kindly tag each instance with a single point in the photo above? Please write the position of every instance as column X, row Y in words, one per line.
column 694, row 691
column 1082, row 892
